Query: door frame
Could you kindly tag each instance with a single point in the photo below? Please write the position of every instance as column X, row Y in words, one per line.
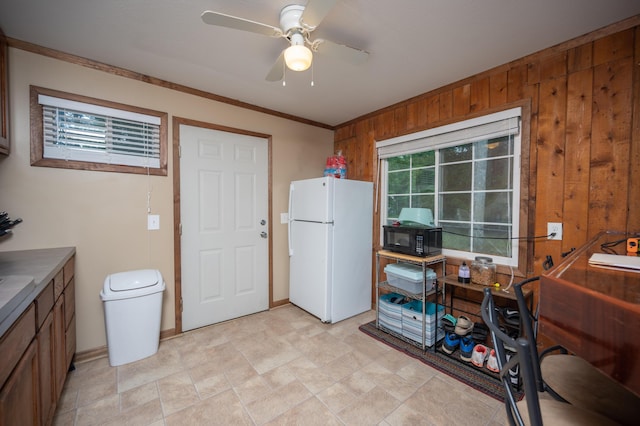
column 177, row 248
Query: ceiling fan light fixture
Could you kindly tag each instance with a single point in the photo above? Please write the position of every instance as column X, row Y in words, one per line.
column 298, row 57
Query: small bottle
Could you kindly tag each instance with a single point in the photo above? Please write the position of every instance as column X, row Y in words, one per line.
column 464, row 275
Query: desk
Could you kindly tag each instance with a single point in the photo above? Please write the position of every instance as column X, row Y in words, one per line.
column 595, row 312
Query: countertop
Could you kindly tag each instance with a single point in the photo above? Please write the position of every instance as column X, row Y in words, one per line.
column 17, row 267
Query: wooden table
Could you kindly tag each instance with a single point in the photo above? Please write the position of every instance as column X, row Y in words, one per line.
column 595, row 312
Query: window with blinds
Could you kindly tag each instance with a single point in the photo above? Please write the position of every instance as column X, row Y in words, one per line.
column 468, row 175
column 75, row 132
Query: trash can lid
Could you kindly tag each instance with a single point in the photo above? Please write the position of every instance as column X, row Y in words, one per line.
column 125, row 285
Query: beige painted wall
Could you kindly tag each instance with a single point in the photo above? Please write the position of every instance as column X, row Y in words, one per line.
column 104, row 214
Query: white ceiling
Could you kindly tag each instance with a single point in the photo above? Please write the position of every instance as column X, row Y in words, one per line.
column 415, row 45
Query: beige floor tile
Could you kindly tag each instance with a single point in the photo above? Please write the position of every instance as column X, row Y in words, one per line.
column 139, row 396
column 164, row 363
column 369, row 408
column 283, row 366
column 222, row 409
column 337, row 397
column 443, row 404
column 309, row 413
column 177, row 392
column 277, row 402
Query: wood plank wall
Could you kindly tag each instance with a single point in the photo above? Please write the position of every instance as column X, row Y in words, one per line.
column 584, row 157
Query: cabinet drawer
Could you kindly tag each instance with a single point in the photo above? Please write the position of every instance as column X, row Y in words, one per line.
column 44, row 304
column 58, row 284
column 69, row 270
column 69, row 303
column 15, row 341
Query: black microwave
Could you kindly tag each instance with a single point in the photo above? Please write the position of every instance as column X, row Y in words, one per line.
column 413, row 240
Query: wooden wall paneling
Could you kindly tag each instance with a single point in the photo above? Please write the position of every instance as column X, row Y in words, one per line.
column 633, row 220
column 550, row 164
column 400, row 119
column 553, row 66
column 423, row 112
column 479, row 96
column 384, row 124
column 516, row 81
column 611, row 146
column 433, row 109
column 461, row 100
column 498, row 89
column 412, row 115
column 446, row 105
column 533, row 72
column 615, row 46
column 577, row 148
column 580, row 58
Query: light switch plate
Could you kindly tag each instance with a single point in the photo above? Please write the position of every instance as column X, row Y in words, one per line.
column 284, row 218
column 153, row 222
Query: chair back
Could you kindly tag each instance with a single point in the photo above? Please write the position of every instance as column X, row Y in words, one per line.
column 522, row 359
column 529, row 324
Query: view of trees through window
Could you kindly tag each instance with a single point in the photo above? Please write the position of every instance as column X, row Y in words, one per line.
column 468, row 187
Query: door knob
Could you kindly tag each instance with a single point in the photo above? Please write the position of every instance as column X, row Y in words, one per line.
column 263, row 234
column 263, row 222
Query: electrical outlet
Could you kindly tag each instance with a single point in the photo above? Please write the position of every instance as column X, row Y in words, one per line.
column 554, row 228
column 153, row 222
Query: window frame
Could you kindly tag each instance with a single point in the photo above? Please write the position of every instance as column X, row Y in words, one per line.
column 524, row 260
column 37, row 136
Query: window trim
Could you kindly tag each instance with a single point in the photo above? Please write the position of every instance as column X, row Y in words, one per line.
column 525, row 259
column 37, row 136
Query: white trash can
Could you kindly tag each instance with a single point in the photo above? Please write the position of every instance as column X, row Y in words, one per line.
column 132, row 314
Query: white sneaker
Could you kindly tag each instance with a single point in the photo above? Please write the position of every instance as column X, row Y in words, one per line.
column 480, row 353
column 492, row 362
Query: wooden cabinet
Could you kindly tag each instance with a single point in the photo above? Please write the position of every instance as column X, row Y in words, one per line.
column 20, row 393
column 35, row 353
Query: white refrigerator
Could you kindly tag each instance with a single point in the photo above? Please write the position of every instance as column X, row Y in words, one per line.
column 330, row 247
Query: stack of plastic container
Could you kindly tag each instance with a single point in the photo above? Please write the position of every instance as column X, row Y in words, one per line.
column 412, row 322
column 390, row 311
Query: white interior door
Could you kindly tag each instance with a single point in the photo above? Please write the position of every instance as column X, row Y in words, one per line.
column 224, row 218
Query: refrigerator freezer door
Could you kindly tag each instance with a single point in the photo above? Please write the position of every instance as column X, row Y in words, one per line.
column 310, row 266
column 311, row 200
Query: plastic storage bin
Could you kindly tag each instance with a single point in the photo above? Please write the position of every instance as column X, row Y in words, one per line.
column 390, row 311
column 412, row 322
column 132, row 311
column 409, row 277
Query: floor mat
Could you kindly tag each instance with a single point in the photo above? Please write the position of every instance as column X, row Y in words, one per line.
column 480, row 379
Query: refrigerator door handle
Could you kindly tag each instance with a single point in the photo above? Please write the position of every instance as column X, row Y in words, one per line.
column 290, row 219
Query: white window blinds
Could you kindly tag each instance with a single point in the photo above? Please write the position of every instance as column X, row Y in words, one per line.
column 490, row 126
column 85, row 132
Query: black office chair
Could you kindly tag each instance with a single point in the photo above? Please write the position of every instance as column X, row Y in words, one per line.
column 531, row 410
column 572, row 379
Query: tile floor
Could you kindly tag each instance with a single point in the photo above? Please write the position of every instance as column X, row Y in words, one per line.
column 278, row 367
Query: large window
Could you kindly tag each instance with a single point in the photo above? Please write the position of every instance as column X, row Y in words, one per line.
column 468, row 175
column 82, row 133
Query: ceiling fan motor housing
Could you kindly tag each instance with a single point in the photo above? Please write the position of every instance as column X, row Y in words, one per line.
column 290, row 18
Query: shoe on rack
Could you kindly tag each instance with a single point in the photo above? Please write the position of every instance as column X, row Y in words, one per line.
column 510, row 316
column 449, row 323
column 480, row 332
column 464, row 326
column 466, row 348
column 479, row 355
column 492, row 362
column 451, row 342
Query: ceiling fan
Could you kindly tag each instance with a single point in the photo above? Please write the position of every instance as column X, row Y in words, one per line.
column 297, row 22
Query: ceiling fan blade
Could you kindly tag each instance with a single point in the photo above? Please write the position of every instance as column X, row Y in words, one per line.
column 228, row 21
column 340, row 51
column 315, row 11
column 277, row 71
